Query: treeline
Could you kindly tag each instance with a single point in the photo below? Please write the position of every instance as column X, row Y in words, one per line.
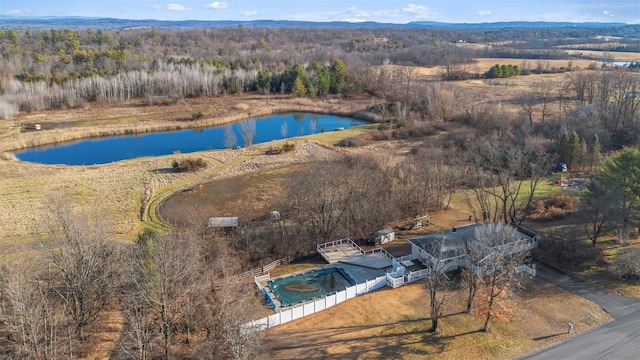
column 64, row 68
column 43, row 53
column 175, row 81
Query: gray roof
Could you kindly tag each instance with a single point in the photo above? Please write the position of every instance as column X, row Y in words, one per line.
column 223, row 222
column 454, row 242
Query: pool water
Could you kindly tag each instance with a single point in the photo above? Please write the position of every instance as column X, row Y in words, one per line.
column 310, row 285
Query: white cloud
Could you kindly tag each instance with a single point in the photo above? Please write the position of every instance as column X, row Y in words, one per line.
column 177, row 7
column 483, row 13
column 250, row 13
column 156, row 7
column 218, row 5
column 410, row 12
column 608, row 13
column 18, row 12
column 415, row 10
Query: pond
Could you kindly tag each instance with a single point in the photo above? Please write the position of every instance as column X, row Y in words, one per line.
column 115, row 148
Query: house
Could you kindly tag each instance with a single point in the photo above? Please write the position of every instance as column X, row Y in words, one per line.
column 449, row 250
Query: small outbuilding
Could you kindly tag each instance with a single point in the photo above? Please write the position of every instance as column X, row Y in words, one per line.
column 223, row 222
column 384, row 236
column 561, row 167
column 274, row 215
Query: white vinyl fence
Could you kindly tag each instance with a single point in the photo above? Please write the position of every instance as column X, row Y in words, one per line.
column 313, row 306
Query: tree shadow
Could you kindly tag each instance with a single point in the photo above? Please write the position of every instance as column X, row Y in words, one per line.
column 169, row 170
column 548, row 336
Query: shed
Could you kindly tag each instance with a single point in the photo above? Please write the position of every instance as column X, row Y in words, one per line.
column 274, row 215
column 561, row 167
column 384, row 236
column 223, row 222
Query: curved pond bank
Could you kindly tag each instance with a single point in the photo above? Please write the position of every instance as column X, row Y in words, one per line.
column 115, row 148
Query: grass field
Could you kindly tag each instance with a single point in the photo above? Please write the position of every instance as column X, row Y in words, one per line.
column 394, row 323
column 124, row 191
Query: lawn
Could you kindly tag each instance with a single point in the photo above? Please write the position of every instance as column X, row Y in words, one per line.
column 394, row 323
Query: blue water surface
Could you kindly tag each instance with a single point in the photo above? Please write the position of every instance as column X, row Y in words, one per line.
column 116, row 148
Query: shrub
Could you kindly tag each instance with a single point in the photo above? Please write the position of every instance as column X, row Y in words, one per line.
column 287, row 146
column 553, row 208
column 417, row 130
column 188, row 165
column 628, row 264
column 198, row 115
column 363, row 139
column 384, row 126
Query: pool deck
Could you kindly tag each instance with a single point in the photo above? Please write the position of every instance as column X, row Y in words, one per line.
column 360, row 274
column 344, row 253
column 373, row 261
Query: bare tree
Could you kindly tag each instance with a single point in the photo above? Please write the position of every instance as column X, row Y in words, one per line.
column 169, row 269
column 444, row 101
column 469, row 281
column 230, row 138
column 248, row 131
column 495, row 254
column 406, row 76
column 226, row 311
column 508, row 168
column 27, row 314
column 138, row 332
column 85, row 262
column 527, row 106
column 544, row 94
column 437, row 282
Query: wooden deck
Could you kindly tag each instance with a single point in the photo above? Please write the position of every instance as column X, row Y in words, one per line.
column 345, row 253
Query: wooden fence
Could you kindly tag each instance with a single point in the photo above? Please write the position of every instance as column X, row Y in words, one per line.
column 266, row 268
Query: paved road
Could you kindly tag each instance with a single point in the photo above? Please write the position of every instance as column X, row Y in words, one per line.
column 618, row 339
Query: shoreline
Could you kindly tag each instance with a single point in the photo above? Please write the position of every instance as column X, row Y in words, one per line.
column 131, row 124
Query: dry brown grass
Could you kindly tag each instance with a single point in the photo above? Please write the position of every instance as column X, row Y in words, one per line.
column 607, row 55
column 484, row 64
column 393, row 323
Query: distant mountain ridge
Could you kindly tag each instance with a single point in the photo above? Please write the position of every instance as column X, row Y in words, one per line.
column 112, row 23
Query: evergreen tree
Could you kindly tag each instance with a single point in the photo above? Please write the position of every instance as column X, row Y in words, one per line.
column 339, row 79
column 564, row 148
column 574, row 149
column 298, row 87
column 620, row 176
column 595, row 153
column 581, row 156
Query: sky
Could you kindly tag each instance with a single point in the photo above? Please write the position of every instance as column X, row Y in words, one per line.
column 387, row 11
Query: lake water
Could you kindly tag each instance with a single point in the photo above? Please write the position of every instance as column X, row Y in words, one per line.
column 115, row 148
column 616, row 63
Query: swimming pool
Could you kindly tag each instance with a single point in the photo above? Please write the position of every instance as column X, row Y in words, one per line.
column 310, row 285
